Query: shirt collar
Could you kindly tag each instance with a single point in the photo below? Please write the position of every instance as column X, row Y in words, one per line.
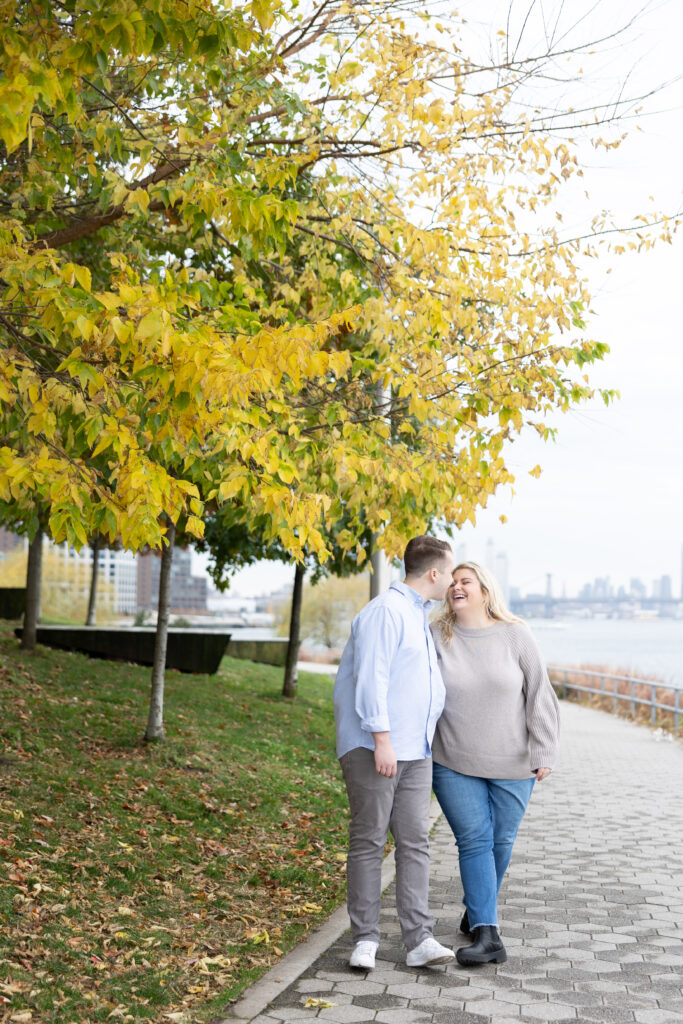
column 411, row 594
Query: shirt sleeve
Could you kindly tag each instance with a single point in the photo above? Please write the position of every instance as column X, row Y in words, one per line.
column 542, row 705
column 378, row 634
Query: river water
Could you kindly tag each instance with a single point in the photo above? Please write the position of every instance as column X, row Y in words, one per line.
column 649, row 648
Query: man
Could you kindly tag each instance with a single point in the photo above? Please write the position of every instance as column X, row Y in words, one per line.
column 388, row 696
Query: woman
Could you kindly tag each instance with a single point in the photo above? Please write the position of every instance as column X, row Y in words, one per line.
column 498, row 734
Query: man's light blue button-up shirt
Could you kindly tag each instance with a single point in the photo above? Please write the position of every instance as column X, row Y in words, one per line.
column 388, row 678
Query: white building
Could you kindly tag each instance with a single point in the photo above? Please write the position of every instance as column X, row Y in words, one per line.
column 118, row 568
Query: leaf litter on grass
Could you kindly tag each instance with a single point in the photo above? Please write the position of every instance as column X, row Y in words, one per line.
column 136, row 886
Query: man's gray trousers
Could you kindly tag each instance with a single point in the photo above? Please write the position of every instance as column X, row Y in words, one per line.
column 378, row 804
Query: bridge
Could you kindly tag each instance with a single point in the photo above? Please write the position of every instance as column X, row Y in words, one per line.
column 548, row 607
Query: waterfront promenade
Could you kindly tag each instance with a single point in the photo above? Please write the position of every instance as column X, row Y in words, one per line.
column 591, row 909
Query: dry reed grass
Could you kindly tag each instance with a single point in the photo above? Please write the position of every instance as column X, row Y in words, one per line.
column 628, row 686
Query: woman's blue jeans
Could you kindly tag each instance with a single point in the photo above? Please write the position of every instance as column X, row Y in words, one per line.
column 484, row 815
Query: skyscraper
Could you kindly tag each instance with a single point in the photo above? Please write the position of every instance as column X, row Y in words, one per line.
column 502, row 574
column 188, row 592
column 490, row 555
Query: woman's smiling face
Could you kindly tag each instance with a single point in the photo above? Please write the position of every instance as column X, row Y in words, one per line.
column 465, row 591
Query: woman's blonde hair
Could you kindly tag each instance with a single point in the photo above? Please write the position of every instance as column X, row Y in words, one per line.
column 495, row 603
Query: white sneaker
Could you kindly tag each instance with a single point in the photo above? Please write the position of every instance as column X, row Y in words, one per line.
column 363, row 956
column 429, row 953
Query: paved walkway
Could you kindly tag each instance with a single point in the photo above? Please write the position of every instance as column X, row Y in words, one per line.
column 591, row 909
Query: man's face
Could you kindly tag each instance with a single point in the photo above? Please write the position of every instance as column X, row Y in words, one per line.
column 445, row 577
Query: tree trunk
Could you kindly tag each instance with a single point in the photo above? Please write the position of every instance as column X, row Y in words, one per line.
column 380, row 577
column 381, row 570
column 34, row 576
column 289, row 687
column 92, row 599
column 155, row 722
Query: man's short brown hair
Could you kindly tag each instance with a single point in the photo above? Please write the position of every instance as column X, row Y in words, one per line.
column 423, row 553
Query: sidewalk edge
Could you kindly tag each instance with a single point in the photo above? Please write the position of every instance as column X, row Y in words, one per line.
column 254, row 1000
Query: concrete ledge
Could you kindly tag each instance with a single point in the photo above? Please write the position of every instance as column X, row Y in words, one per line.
column 12, row 602
column 188, row 650
column 266, row 652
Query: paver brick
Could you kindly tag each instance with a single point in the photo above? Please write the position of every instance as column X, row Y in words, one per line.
column 360, row 986
column 313, row 985
column 456, row 1017
column 439, row 1004
column 549, row 1011
column 443, row 979
column 379, row 1002
column 517, row 995
column 409, row 991
column 608, row 1014
column 487, row 1008
column 401, row 1016
column 657, row 1017
column 347, row 1013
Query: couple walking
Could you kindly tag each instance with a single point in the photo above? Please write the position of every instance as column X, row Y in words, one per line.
column 464, row 707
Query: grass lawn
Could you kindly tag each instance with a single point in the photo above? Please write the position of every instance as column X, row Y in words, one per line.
column 154, row 882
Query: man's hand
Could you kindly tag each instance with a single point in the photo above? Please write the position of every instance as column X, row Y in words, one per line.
column 542, row 773
column 385, row 758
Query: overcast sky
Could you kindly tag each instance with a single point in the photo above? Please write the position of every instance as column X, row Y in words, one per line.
column 610, row 499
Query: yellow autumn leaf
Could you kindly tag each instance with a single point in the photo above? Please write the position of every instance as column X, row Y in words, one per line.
column 84, row 277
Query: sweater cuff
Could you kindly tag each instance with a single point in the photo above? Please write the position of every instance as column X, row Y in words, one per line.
column 542, row 759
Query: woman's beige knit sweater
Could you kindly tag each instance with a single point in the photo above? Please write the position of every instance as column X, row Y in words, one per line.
column 501, row 719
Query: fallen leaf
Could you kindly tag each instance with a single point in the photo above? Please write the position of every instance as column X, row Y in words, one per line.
column 321, row 1004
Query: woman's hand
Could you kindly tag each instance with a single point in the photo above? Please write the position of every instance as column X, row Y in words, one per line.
column 542, row 773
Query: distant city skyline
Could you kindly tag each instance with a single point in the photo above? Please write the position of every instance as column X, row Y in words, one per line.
column 266, row 577
column 666, row 586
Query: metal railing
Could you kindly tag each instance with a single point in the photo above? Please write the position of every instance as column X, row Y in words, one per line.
column 613, row 692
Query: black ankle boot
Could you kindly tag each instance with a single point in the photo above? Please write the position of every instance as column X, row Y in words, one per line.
column 465, row 926
column 487, row 948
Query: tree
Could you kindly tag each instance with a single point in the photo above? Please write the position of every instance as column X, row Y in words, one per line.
column 327, row 609
column 63, row 585
column 34, row 573
column 147, row 357
column 95, row 546
column 141, row 134
column 155, row 719
column 234, row 540
column 375, row 211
